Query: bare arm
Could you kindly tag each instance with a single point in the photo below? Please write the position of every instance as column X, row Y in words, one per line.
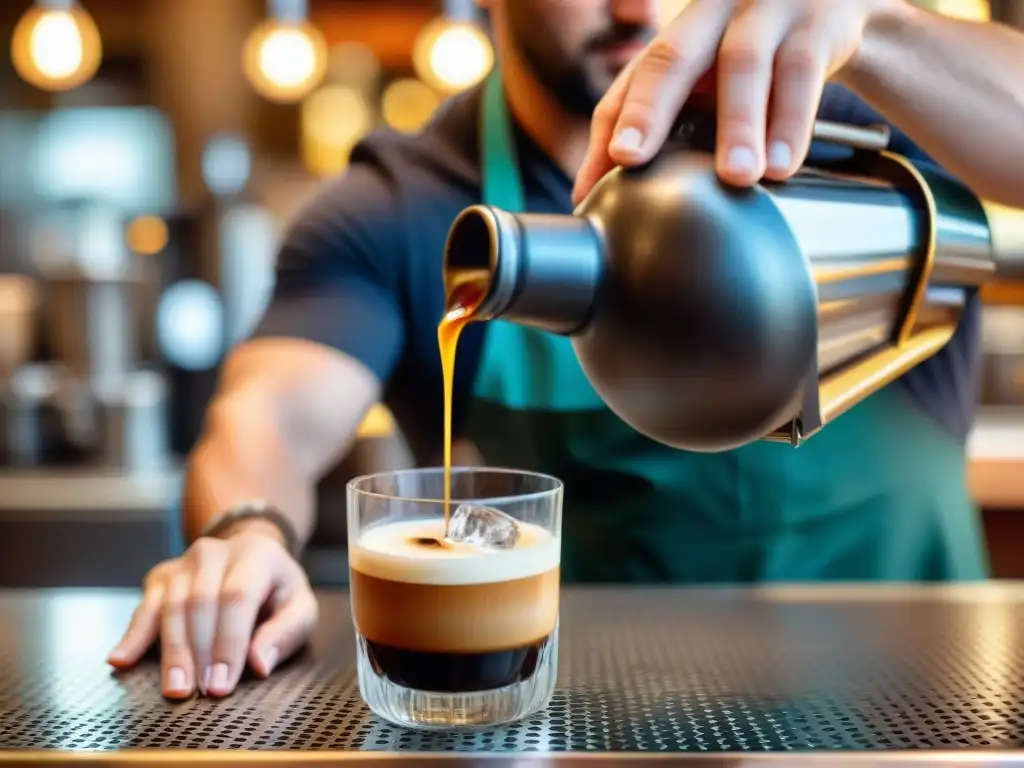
column 289, row 405
column 956, row 87
column 286, row 410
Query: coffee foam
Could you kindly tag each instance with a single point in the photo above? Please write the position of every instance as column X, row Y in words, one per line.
column 389, row 551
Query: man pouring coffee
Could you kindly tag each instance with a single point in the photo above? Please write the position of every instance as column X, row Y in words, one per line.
column 359, row 294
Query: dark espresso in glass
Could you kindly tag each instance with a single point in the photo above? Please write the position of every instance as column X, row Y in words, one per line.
column 465, row 633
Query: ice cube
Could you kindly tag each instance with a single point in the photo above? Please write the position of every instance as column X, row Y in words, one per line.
column 482, row 527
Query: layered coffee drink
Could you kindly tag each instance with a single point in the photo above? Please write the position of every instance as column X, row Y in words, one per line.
column 455, row 610
column 445, row 616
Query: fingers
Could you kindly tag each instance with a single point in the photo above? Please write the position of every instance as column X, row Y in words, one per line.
column 745, row 67
column 800, row 72
column 664, row 77
column 204, row 607
column 598, row 161
column 177, row 665
column 771, row 59
column 247, row 585
column 285, row 632
column 142, row 630
column 208, row 561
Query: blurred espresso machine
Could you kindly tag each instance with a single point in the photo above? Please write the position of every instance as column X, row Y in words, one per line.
column 708, row 317
column 77, row 388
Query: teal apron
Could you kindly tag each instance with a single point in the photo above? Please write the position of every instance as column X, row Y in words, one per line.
column 879, row 494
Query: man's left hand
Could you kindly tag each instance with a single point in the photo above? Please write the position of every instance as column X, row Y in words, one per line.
column 770, row 58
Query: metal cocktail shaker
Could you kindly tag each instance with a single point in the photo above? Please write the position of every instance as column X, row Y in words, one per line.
column 708, row 317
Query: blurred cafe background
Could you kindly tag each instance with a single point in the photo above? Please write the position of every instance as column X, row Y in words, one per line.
column 150, row 153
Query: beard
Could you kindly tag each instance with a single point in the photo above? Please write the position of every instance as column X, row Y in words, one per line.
column 576, row 81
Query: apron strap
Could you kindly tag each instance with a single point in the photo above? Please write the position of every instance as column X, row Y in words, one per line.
column 502, row 185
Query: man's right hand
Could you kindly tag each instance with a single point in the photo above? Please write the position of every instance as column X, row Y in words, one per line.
column 204, row 606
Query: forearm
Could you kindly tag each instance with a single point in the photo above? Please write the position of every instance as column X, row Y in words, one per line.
column 955, row 87
column 277, row 424
column 241, row 456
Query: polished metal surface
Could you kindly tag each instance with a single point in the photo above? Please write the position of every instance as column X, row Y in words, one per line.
column 132, row 434
column 1007, row 226
column 91, row 320
column 727, row 675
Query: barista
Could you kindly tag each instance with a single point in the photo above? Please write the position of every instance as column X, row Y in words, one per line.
column 879, row 494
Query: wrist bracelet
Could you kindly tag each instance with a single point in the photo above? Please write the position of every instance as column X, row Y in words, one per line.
column 255, row 509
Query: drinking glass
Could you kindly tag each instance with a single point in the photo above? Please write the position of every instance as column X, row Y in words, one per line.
column 454, row 636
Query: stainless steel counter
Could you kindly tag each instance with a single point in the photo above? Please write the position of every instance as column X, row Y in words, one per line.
column 719, row 677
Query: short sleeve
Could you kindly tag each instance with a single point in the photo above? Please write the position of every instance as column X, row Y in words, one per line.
column 339, row 269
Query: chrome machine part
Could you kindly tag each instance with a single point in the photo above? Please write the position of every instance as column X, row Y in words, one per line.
column 708, row 317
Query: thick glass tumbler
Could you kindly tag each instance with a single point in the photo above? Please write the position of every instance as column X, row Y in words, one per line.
column 457, row 632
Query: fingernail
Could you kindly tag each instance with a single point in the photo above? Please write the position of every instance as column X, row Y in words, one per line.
column 218, row 677
column 177, row 682
column 780, row 156
column 740, row 159
column 269, row 658
column 628, row 140
column 116, row 655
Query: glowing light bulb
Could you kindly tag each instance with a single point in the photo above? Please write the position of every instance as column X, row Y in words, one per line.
column 460, row 57
column 285, row 61
column 452, row 56
column 288, row 57
column 56, row 49
column 56, row 45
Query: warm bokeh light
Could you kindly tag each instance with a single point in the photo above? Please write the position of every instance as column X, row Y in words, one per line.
column 55, row 45
column 452, row 55
column 355, row 65
column 977, row 10
column 56, row 49
column 334, row 119
column 284, row 61
column 408, row 104
column 147, row 235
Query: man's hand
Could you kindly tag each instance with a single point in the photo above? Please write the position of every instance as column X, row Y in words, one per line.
column 204, row 607
column 771, row 59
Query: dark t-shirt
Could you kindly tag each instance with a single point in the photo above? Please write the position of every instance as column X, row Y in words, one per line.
column 360, row 268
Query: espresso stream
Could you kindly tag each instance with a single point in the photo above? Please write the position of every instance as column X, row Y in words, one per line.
column 460, row 624
column 465, row 290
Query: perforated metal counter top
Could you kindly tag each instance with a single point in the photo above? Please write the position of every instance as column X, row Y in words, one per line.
column 660, row 671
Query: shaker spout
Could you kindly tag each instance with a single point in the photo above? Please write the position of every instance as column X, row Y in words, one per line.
column 539, row 270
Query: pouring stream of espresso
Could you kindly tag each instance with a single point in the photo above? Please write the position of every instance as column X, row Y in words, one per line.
column 465, row 289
